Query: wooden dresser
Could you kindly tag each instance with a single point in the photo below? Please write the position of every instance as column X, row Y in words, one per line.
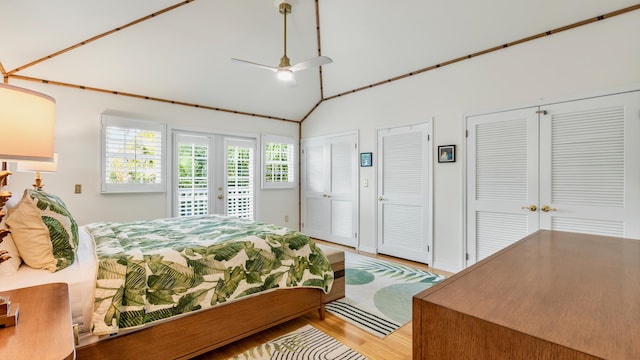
column 552, row 295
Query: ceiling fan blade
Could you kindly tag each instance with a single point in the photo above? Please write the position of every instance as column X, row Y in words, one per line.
column 309, row 63
column 272, row 68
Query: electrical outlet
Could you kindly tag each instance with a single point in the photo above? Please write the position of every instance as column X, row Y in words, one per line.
column 286, row 218
column 77, row 189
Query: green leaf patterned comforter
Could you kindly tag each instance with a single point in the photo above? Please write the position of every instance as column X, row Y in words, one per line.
column 153, row 270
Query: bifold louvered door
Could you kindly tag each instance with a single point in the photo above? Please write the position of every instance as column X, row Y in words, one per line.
column 404, row 192
column 590, row 166
column 502, row 183
column 330, row 188
column 569, row 166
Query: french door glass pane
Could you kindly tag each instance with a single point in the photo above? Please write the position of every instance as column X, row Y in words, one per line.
column 193, row 179
column 240, row 181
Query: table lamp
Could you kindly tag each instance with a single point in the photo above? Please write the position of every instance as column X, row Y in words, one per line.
column 38, row 167
column 27, row 125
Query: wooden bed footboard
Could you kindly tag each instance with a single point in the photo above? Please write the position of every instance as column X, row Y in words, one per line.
column 203, row 331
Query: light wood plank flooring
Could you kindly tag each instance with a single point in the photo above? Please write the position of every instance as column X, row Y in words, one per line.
column 396, row 346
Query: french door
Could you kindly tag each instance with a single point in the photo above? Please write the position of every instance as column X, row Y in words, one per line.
column 213, row 174
column 330, row 188
column 404, row 192
column 569, row 166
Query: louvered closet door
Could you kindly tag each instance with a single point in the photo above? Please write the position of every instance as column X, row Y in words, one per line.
column 404, row 192
column 590, row 166
column 502, row 180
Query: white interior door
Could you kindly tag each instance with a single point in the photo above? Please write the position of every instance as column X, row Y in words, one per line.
column 589, row 166
column 569, row 166
column 404, row 192
column 315, row 177
column 502, row 180
column 329, row 188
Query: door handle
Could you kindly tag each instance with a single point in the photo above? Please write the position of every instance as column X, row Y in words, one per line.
column 220, row 197
column 530, row 207
column 380, row 198
column 546, row 208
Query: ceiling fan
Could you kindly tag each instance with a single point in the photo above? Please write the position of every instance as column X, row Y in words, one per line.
column 285, row 70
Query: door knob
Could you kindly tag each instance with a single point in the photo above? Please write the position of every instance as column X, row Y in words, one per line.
column 220, row 196
column 380, row 198
column 530, row 207
column 546, row 208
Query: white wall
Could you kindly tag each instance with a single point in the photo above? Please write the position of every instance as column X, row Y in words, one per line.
column 602, row 55
column 77, row 141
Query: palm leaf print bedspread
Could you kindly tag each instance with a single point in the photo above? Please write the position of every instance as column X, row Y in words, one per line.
column 153, row 270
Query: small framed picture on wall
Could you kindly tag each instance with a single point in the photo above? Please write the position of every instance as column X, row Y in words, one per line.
column 446, row 153
column 366, row 159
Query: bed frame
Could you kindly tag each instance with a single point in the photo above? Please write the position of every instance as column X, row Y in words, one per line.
column 216, row 327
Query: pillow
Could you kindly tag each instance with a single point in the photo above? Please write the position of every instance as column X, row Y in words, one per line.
column 31, row 235
column 9, row 266
column 63, row 229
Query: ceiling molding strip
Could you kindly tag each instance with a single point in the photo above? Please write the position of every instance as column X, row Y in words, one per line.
column 319, row 47
column 113, row 92
column 310, row 111
column 490, row 50
column 97, row 37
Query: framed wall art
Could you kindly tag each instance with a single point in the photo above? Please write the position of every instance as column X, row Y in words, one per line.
column 366, row 159
column 446, row 153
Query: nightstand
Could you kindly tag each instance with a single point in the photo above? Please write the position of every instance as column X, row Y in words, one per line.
column 44, row 329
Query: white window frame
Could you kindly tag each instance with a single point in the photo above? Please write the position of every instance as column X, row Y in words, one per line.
column 292, row 181
column 115, row 121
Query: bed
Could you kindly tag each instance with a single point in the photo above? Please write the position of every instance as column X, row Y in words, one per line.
column 226, row 284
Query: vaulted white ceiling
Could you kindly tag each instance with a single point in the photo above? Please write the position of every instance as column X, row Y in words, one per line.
column 183, row 54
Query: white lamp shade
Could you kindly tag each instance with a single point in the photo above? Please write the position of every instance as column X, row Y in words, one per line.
column 27, row 124
column 42, row 166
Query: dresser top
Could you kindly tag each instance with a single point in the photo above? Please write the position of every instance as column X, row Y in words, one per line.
column 576, row 290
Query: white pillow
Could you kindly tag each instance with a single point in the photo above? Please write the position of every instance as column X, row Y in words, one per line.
column 10, row 266
column 31, row 235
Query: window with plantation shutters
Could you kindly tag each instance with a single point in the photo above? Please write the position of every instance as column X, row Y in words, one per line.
column 132, row 155
column 278, row 162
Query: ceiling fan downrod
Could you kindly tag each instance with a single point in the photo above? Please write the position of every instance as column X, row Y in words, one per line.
column 285, row 8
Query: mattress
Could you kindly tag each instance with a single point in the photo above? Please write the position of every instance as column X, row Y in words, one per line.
column 80, row 276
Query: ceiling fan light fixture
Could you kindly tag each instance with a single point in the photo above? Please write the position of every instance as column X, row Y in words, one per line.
column 284, row 75
column 284, row 71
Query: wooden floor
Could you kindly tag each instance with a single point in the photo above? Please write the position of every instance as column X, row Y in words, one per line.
column 396, row 346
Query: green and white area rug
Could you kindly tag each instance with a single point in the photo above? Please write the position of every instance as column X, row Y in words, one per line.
column 379, row 293
column 305, row 343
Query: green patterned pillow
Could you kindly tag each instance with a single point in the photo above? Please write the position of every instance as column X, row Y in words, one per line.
column 63, row 229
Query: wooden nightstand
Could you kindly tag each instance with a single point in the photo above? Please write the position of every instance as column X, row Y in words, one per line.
column 44, row 329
